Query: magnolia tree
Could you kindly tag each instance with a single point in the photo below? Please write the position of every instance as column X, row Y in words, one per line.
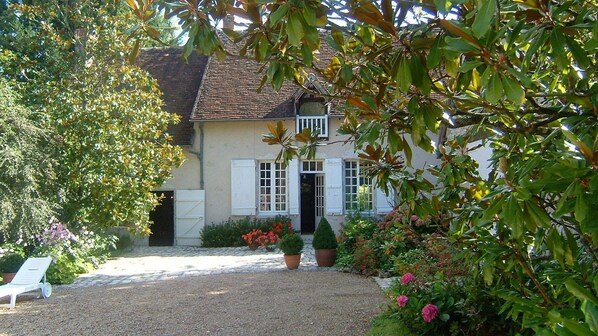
column 68, row 59
column 520, row 75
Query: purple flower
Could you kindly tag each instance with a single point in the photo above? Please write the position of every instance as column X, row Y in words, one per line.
column 402, row 301
column 407, row 278
column 413, row 218
column 429, row 312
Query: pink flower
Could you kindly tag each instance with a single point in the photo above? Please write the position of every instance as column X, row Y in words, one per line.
column 402, row 301
column 413, row 218
column 407, row 278
column 429, row 312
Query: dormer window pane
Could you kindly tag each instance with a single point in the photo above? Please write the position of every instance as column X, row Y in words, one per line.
column 312, row 109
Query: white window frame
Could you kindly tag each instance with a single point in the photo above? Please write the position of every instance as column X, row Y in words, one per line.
column 355, row 182
column 272, row 188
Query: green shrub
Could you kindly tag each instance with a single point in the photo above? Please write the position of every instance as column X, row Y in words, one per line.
column 365, row 261
column 291, row 244
column 11, row 262
column 387, row 325
column 324, row 237
column 462, row 305
column 230, row 233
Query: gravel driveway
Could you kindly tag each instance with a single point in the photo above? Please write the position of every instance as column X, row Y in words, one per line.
column 263, row 303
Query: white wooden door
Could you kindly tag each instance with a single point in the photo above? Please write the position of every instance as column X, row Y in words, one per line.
column 189, row 216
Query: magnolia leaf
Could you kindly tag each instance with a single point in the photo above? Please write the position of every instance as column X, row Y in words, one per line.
column 309, row 14
column 279, row 13
column 134, row 52
column 513, row 90
column 580, row 55
column 494, row 90
column 408, row 152
column 485, row 12
column 295, row 30
column 307, row 54
column 435, row 54
column 455, row 30
column 580, row 292
column 590, row 312
column 404, row 75
column 152, row 32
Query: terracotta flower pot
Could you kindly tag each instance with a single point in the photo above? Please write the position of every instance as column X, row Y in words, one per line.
column 292, row 261
column 7, row 277
column 253, row 247
column 325, row 257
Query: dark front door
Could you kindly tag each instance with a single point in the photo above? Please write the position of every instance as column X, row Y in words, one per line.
column 163, row 218
column 308, row 203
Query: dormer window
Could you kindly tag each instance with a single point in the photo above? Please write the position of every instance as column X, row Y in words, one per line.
column 312, row 113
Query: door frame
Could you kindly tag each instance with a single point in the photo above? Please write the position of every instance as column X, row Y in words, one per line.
column 170, row 240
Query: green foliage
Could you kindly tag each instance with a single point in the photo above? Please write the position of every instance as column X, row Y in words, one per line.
column 324, row 237
column 111, row 140
column 387, row 325
column 518, row 74
column 229, row 233
column 124, row 242
column 65, row 270
column 74, row 253
column 369, row 247
column 11, row 262
column 463, row 308
column 27, row 170
column 291, row 244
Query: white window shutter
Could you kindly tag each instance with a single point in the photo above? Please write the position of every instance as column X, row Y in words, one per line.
column 334, row 186
column 293, row 179
column 243, row 187
column 384, row 204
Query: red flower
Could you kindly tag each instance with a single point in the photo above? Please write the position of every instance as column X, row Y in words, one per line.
column 402, row 301
column 407, row 278
column 429, row 312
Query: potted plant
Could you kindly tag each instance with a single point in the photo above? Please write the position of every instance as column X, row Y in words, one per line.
column 292, row 246
column 324, row 244
column 251, row 238
column 268, row 240
column 9, row 265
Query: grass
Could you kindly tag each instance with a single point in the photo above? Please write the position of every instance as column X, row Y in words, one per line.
column 384, row 325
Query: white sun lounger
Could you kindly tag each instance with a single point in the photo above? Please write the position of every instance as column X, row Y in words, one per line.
column 31, row 276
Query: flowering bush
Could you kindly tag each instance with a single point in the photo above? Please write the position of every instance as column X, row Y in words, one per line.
column 458, row 306
column 264, row 237
column 73, row 254
column 268, row 239
column 283, row 229
column 251, row 237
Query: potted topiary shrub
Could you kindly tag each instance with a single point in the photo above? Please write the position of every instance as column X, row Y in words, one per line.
column 9, row 265
column 324, row 244
column 292, row 246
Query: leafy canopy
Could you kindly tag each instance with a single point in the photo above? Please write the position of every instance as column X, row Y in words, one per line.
column 521, row 75
column 68, row 59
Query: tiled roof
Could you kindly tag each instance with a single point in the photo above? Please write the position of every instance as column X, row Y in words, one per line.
column 179, row 81
column 229, row 92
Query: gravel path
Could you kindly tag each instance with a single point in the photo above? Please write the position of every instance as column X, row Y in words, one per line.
column 275, row 303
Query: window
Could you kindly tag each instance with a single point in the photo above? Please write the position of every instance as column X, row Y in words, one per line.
column 358, row 188
column 310, row 166
column 273, row 187
column 312, row 114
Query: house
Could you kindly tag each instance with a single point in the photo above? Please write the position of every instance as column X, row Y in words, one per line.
column 230, row 173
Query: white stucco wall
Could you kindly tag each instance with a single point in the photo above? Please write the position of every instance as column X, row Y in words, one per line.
column 226, row 141
column 232, row 140
column 187, row 175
